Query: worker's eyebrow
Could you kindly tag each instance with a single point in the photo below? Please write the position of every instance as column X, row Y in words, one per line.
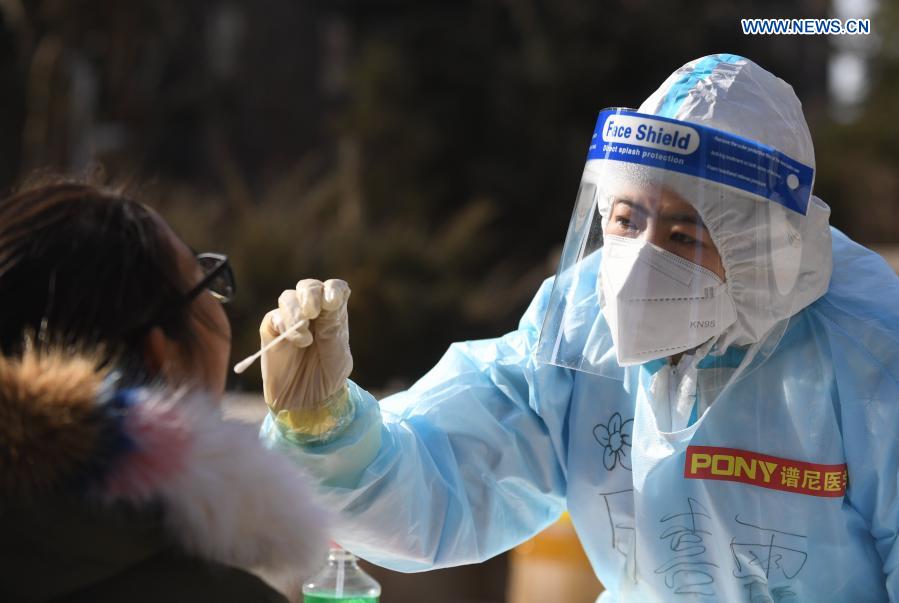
column 682, row 217
column 632, row 204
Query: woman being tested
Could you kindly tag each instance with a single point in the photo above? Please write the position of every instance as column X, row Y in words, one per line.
column 119, row 480
column 709, row 385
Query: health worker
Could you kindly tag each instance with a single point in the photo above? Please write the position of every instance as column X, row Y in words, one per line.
column 709, row 385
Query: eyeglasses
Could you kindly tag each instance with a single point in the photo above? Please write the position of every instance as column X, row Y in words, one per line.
column 218, row 279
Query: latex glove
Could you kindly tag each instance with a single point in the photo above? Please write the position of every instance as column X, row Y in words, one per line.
column 304, row 376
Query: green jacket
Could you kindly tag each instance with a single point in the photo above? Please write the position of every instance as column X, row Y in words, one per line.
column 110, row 494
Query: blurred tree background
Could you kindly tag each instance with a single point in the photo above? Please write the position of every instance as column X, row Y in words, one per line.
column 426, row 152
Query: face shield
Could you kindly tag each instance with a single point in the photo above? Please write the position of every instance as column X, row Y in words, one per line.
column 684, row 239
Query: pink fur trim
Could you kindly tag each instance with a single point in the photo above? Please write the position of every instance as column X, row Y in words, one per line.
column 225, row 496
column 161, row 441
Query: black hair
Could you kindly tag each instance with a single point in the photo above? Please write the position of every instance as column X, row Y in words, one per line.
column 86, row 266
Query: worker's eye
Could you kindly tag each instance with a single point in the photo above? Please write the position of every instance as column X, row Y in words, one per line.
column 683, row 238
column 625, row 223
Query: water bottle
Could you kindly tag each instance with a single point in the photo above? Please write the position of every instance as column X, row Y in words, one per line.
column 341, row 581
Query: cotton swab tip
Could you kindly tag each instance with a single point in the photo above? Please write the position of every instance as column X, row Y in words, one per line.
column 244, row 364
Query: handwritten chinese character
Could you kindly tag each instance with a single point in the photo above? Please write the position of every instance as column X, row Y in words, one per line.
column 765, row 553
column 811, row 480
column 688, row 571
column 789, row 477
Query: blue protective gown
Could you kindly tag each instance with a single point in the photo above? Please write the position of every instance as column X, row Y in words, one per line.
column 490, row 447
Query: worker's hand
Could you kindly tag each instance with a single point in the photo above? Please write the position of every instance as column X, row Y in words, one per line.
column 307, row 371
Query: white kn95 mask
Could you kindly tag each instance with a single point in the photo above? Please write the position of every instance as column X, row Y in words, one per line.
column 657, row 303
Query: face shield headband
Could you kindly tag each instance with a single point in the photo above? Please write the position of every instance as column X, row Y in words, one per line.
column 702, row 152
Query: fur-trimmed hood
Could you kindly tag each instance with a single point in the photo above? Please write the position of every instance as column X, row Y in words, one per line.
column 68, row 432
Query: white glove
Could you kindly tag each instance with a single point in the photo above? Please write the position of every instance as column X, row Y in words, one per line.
column 304, row 376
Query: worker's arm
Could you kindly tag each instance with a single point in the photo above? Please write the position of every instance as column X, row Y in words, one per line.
column 455, row 470
column 866, row 369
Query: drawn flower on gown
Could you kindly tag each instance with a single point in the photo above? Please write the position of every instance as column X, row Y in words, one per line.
column 615, row 439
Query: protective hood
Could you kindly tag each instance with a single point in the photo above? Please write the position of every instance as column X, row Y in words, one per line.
column 95, row 479
column 774, row 258
column 727, row 138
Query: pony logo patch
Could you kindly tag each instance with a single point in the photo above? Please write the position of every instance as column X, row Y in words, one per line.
column 747, row 467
